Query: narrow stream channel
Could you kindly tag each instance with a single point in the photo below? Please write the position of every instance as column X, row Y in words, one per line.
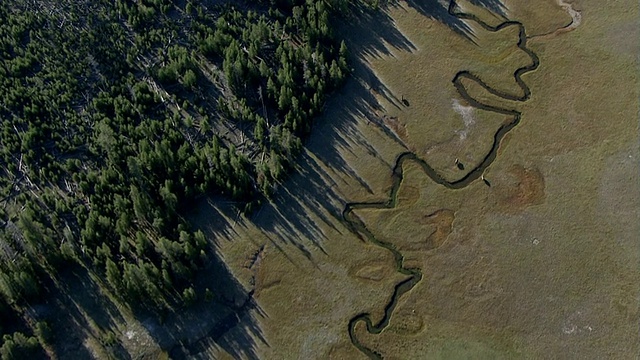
column 358, row 227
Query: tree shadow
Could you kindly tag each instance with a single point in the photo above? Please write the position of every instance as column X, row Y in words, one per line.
column 376, row 32
column 305, row 207
column 372, row 32
column 495, row 6
column 89, row 313
column 217, row 216
column 228, row 320
column 439, row 12
column 308, row 205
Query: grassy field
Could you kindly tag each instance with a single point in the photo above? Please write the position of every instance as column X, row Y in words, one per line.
column 540, row 264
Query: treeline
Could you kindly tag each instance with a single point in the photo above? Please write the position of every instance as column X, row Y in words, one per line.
column 116, row 116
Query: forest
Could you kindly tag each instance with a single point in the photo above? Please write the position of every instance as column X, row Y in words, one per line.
column 116, row 116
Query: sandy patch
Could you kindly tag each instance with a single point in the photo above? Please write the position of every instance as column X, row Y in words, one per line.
column 467, row 113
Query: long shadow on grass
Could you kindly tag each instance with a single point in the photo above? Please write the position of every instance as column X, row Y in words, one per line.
column 303, row 209
column 307, row 205
column 375, row 31
column 436, row 11
column 495, row 6
column 226, row 321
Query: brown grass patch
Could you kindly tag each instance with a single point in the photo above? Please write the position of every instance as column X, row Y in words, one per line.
column 528, row 189
column 443, row 222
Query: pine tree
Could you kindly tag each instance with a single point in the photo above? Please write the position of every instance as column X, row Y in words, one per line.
column 113, row 274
